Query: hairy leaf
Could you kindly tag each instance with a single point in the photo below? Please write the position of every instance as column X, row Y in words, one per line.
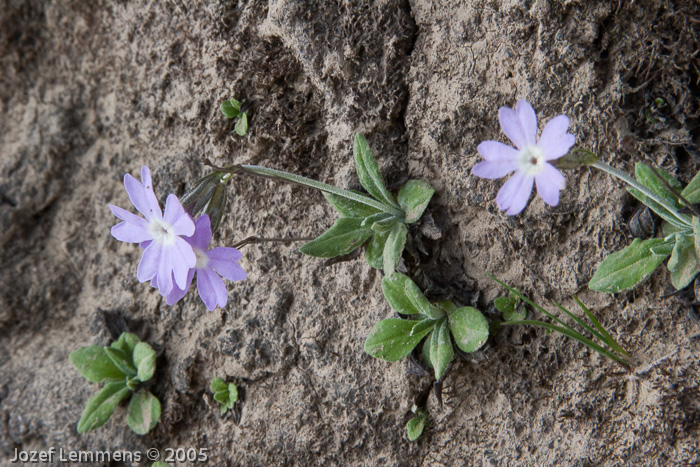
column 414, row 197
column 144, row 361
column 349, row 208
column 101, row 406
column 394, row 289
column 94, row 364
column 469, row 328
column 391, row 339
column 368, row 171
column 683, row 264
column 121, row 360
column 393, row 247
column 345, row 235
column 143, row 412
column 441, row 351
column 415, row 427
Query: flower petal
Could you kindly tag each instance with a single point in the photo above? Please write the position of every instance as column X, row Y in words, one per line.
column 211, row 288
column 131, row 233
column 150, row 260
column 140, row 199
column 223, row 260
column 491, row 170
column 555, row 141
column 514, row 194
column 549, row 183
column 183, row 259
column 165, row 271
column 528, row 121
column 202, row 233
column 176, row 216
column 150, row 194
column 177, row 293
column 495, row 151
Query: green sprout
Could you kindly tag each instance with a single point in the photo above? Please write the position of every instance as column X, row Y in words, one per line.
column 416, row 425
column 394, row 338
column 225, row 394
column 235, row 109
column 614, row 352
column 123, row 366
column 511, row 307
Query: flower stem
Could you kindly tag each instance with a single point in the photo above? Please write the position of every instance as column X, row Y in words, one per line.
column 255, row 240
column 635, row 184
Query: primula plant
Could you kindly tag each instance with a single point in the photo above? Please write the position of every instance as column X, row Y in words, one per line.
column 378, row 219
column 394, row 338
column 226, row 394
column 676, row 205
column 123, row 368
column 234, row 109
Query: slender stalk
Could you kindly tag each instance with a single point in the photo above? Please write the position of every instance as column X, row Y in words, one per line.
column 634, row 183
column 254, row 240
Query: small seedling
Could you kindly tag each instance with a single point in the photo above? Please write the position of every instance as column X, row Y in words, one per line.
column 123, row 367
column 225, row 394
column 394, row 338
column 416, row 425
column 235, row 109
column 614, row 352
column 511, row 307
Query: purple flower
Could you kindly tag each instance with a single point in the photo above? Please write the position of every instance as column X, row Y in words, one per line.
column 167, row 258
column 530, row 161
column 221, row 260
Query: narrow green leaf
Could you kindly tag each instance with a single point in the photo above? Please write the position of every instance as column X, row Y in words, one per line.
column 394, row 289
column 607, row 338
column 232, row 394
column 101, row 406
column 414, row 197
column 415, row 427
column 669, row 229
column 692, row 191
column 374, row 250
column 349, row 208
column 345, row 235
column 646, row 176
column 393, row 247
column 143, row 412
column 369, row 221
column 418, row 300
column 423, row 325
column 441, row 351
column 425, row 351
column 696, row 234
column 684, row 264
column 94, row 364
column 624, row 269
column 218, row 385
column 469, row 328
column 368, row 171
column 126, row 343
column 391, row 339
column 242, row 124
column 230, row 108
column 121, row 361
column 144, row 361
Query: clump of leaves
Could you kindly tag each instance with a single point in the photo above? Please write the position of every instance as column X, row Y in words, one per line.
column 225, row 394
column 676, row 205
column 123, row 367
column 239, row 110
column 439, row 323
column 511, row 307
column 416, row 425
column 614, row 351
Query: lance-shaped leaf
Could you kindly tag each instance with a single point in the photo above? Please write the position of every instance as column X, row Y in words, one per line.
column 242, row 124
column 94, row 364
column 368, row 172
column 413, row 198
column 383, row 220
column 374, row 250
column 417, row 298
column 101, row 406
column 625, row 269
column 391, row 339
column 230, row 108
column 421, row 326
column 394, row 289
column 121, row 360
column 145, row 361
column 646, row 176
column 345, row 235
column 349, row 208
column 441, row 351
column 692, row 191
column 425, row 351
column 696, row 234
column 143, row 412
column 126, row 343
column 393, row 247
column 469, row 328
column 415, row 426
column 683, row 264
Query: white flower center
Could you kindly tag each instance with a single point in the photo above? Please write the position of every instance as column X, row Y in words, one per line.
column 202, row 258
column 162, row 232
column 531, row 160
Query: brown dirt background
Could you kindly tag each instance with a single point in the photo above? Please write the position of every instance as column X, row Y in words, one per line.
column 91, row 91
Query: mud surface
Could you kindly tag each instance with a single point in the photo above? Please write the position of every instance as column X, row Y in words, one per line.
column 89, row 92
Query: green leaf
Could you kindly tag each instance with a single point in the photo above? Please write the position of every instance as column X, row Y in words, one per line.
column 222, row 396
column 232, row 394
column 242, row 124
column 94, row 364
column 414, row 197
column 425, row 351
column 121, row 361
column 101, row 406
column 624, row 269
column 421, row 326
column 469, row 328
column 646, row 176
column 393, row 248
column 230, row 108
column 696, row 234
column 145, row 361
column 218, row 385
column 504, row 304
column 349, row 208
column 374, row 250
column 415, row 427
column 370, row 220
column 161, row 464
column 684, row 264
column 126, row 343
column 394, row 289
column 368, row 171
column 345, row 235
column 391, row 339
column 143, row 412
column 441, row 351
column 420, row 303
column 692, row 191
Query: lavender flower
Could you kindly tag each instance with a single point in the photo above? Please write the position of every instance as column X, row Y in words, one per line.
column 531, row 160
column 221, row 260
column 167, row 258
